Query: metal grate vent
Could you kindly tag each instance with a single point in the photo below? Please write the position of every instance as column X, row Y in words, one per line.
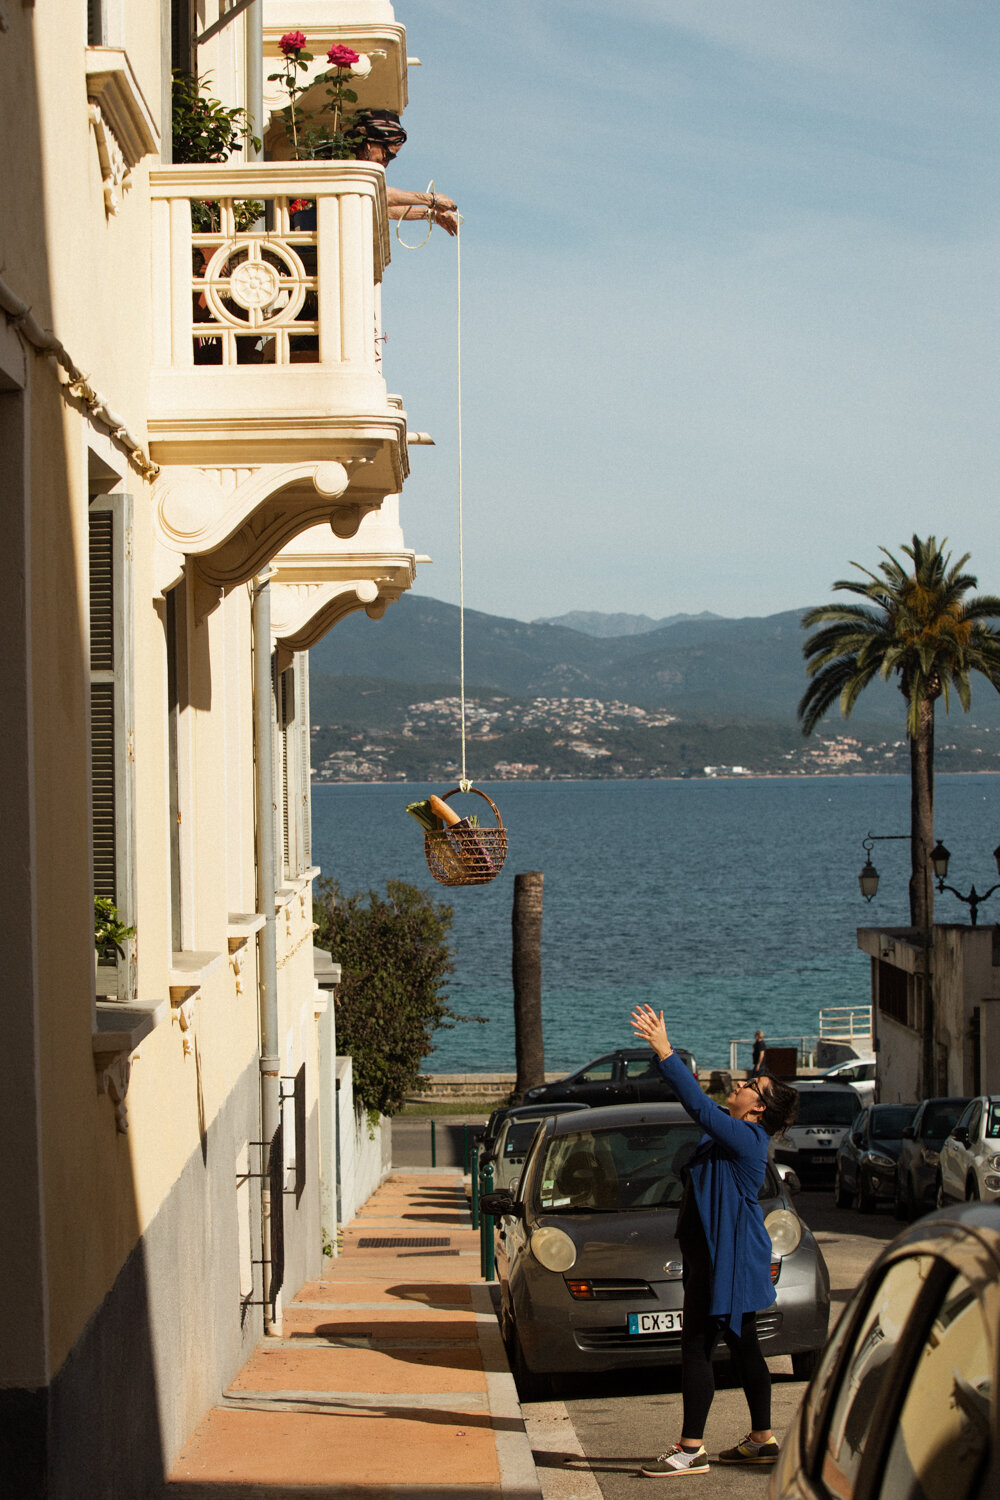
column 373, row 1242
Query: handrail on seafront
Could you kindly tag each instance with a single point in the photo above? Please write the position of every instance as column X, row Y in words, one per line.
column 850, row 1024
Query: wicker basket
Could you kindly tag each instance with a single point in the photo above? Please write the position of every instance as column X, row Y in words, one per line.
column 466, row 856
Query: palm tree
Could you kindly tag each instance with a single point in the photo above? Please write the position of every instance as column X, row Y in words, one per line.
column 918, row 627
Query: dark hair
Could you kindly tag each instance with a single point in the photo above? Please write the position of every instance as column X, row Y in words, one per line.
column 781, row 1105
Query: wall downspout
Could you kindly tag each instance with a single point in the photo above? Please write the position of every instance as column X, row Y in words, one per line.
column 267, row 955
column 255, row 74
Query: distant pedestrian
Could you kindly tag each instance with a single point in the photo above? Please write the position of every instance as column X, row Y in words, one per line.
column 759, row 1055
column 726, row 1251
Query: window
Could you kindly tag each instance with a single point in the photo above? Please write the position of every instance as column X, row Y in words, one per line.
column 943, row 1432
column 863, row 1376
column 112, row 729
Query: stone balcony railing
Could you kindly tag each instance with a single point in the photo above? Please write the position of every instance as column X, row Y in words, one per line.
column 268, row 410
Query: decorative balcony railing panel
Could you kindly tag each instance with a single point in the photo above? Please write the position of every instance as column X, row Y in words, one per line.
column 268, row 410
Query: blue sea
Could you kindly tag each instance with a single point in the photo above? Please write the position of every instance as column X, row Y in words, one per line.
column 730, row 904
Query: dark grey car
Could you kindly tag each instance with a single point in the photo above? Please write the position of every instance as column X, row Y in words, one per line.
column 916, row 1170
column 587, row 1257
column 866, row 1157
column 628, row 1076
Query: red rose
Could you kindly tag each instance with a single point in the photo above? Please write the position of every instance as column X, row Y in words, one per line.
column 292, row 41
column 342, row 57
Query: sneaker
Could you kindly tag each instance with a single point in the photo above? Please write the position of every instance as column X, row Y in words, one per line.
column 749, row 1452
column 678, row 1461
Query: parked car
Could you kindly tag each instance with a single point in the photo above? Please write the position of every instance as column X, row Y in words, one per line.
column 867, row 1156
column 826, row 1113
column 916, row 1169
column 969, row 1160
column 628, row 1076
column 587, row 1256
column 858, row 1071
column 905, row 1404
column 512, row 1138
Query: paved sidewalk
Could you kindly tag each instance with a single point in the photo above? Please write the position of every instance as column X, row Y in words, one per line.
column 390, row 1379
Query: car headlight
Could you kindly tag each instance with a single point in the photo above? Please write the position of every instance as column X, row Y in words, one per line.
column 785, row 1229
column 553, row 1248
column 994, row 1162
column 879, row 1159
column 929, row 1158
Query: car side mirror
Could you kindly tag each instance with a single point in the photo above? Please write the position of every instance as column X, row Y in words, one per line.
column 961, row 1135
column 501, row 1203
column 908, row 1133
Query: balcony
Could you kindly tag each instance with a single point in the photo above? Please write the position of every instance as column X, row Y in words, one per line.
column 268, row 411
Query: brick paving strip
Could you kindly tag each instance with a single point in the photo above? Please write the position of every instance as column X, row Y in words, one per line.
column 389, row 1379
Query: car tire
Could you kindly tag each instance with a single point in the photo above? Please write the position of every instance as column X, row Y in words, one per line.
column 972, row 1193
column 841, row 1195
column 531, row 1386
column 806, row 1363
column 865, row 1200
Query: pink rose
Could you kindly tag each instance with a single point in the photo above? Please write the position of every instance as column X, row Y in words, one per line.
column 292, row 41
column 342, row 57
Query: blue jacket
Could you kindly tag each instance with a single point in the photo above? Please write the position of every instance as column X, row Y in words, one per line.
column 726, row 1174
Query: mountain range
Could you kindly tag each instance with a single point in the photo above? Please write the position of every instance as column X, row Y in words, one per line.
column 593, row 622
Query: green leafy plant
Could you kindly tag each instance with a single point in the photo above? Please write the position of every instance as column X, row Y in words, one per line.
column 204, row 130
column 110, row 932
column 395, row 956
column 335, row 140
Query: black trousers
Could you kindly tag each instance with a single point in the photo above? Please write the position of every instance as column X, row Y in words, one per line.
column 698, row 1338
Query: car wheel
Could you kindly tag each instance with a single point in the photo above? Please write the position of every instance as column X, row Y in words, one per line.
column 840, row 1193
column 972, row 1194
column 806, row 1363
column 866, row 1201
column 530, row 1385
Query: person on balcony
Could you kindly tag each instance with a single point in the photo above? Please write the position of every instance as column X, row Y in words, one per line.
column 383, row 137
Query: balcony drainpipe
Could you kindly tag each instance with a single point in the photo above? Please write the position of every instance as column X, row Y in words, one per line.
column 270, row 1060
column 255, row 75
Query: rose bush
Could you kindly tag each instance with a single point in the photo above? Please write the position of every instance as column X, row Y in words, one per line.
column 314, row 136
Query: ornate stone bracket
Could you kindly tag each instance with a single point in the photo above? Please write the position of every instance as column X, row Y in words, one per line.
column 114, row 1073
column 123, row 125
column 116, row 1038
column 183, row 1010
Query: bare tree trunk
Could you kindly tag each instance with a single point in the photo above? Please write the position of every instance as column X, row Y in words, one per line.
column 526, row 932
column 922, row 819
column 921, row 875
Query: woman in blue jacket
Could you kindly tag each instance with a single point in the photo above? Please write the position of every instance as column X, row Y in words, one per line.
column 726, row 1250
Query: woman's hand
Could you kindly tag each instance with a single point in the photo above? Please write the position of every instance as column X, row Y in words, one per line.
column 649, row 1027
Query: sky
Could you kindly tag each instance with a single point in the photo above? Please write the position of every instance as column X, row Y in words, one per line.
column 729, row 297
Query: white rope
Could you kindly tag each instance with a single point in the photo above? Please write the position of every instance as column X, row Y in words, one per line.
column 464, row 783
column 430, row 222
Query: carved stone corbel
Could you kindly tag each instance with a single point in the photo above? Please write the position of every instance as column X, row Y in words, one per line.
column 114, row 1073
column 183, row 1007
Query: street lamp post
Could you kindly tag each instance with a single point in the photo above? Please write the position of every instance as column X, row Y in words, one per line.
column 939, row 859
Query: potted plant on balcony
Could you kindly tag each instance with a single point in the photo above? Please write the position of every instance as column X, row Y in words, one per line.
column 204, row 130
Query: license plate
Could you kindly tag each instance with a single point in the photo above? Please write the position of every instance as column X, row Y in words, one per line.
column 655, row 1322
column 824, row 1158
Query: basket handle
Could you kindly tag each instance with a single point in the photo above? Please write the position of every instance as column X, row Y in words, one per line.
column 478, row 793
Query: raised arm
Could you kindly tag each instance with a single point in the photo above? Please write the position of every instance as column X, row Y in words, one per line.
column 735, row 1135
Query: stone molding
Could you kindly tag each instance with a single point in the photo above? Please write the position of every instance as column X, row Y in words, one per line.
column 123, row 126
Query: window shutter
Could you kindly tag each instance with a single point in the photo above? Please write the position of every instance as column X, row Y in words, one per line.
column 304, row 748
column 112, row 724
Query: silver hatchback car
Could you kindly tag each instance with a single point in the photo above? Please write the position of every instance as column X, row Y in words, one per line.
column 969, row 1159
column 587, row 1256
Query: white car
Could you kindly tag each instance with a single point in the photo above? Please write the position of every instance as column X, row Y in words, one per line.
column 826, row 1113
column 969, row 1161
column 857, row 1071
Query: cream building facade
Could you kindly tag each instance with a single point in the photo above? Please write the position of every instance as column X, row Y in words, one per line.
column 200, row 467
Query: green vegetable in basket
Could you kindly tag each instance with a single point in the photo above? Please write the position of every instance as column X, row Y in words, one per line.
column 423, row 814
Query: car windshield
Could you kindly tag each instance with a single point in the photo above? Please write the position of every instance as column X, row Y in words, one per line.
column 604, row 1171
column 827, row 1107
column 520, row 1134
column 993, row 1120
column 889, row 1122
column 941, row 1120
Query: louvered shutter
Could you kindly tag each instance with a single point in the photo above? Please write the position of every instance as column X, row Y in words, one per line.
column 304, row 748
column 112, row 746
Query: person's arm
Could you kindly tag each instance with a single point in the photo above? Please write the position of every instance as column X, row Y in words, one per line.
column 433, row 206
column 716, row 1122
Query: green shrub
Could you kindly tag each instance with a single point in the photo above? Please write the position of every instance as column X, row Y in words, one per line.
column 395, row 956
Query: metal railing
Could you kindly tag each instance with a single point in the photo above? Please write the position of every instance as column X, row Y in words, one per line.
column 804, row 1045
column 846, row 1023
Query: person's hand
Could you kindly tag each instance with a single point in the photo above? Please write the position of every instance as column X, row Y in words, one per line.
column 649, row 1027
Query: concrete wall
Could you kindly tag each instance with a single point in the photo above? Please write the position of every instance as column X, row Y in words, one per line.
column 364, row 1151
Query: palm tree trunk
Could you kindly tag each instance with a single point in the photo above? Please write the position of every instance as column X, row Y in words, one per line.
column 922, row 818
column 526, row 926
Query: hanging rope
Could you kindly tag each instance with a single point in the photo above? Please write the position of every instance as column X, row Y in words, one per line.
column 464, row 782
